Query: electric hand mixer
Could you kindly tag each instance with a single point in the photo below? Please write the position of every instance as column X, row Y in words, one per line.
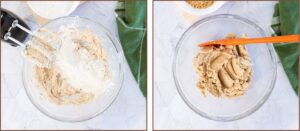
column 41, row 46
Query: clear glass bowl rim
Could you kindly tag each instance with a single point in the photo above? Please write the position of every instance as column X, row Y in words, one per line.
column 190, row 105
column 117, row 46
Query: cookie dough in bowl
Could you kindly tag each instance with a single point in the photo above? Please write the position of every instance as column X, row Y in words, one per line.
column 223, row 83
column 80, row 70
column 85, row 76
column 223, row 70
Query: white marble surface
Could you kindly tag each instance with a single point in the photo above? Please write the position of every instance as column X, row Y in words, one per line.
column 17, row 112
column 281, row 110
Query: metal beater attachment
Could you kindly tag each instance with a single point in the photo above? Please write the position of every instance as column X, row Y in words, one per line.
column 40, row 48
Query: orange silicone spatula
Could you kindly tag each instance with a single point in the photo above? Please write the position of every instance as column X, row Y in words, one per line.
column 239, row 41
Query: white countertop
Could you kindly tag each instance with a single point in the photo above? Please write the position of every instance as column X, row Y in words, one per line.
column 17, row 112
column 281, row 110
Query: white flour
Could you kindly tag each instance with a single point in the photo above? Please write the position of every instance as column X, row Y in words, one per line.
column 52, row 9
column 78, row 65
column 80, row 71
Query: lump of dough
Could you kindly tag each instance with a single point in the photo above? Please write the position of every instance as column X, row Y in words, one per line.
column 218, row 62
column 225, row 78
column 223, row 70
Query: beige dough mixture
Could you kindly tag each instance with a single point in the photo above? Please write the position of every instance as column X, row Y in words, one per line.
column 223, row 70
column 38, row 49
column 57, row 89
column 80, row 71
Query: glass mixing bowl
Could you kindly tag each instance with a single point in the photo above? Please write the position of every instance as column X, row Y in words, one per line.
column 89, row 110
column 263, row 77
